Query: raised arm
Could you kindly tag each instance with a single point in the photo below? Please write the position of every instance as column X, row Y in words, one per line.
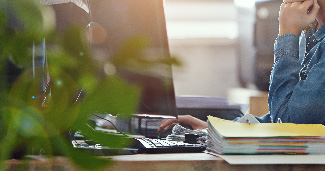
column 293, row 97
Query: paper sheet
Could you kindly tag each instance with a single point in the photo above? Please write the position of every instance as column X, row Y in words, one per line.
column 234, row 129
column 273, row 159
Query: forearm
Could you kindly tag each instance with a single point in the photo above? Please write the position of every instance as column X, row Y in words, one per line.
column 195, row 123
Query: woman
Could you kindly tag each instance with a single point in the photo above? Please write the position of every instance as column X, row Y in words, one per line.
column 297, row 86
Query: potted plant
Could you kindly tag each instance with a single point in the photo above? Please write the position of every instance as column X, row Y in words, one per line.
column 36, row 115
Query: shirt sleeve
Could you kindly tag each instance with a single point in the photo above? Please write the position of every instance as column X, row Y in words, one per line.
column 290, row 98
column 263, row 119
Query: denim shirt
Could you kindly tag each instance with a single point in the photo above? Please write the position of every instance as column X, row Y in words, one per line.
column 297, row 83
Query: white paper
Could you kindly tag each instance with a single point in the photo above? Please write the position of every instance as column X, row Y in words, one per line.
column 273, row 159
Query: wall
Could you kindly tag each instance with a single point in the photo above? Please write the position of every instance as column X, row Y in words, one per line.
column 203, row 34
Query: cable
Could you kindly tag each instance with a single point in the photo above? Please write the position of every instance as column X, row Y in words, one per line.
column 110, row 123
column 71, row 135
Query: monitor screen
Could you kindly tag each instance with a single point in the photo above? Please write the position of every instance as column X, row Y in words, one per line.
column 121, row 21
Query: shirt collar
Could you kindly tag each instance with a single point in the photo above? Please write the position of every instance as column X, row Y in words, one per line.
column 320, row 33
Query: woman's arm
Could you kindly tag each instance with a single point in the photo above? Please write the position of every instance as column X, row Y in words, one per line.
column 189, row 120
column 290, row 98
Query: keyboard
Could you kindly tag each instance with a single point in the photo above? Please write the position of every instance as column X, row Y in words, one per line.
column 149, row 145
column 140, row 145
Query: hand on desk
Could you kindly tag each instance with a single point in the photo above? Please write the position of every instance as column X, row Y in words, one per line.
column 183, row 120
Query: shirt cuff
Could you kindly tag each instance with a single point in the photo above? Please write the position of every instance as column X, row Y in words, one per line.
column 286, row 45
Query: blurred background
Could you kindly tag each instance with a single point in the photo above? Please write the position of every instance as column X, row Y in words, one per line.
column 226, row 47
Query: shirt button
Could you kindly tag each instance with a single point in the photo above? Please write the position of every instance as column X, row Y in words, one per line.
column 314, row 40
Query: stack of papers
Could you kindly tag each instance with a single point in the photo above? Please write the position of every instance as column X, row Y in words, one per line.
column 229, row 137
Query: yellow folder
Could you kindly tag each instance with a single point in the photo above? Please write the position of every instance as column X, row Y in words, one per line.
column 230, row 129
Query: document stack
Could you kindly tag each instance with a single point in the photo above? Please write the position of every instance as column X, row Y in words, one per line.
column 229, row 137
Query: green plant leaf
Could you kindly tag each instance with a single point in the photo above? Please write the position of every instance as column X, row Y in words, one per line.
column 29, row 12
column 105, row 139
column 114, row 96
column 80, row 158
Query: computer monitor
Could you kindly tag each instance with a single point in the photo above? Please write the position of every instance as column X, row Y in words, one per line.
column 127, row 19
column 121, row 21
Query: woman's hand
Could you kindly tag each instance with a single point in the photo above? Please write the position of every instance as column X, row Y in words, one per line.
column 183, row 120
column 297, row 15
column 291, row 1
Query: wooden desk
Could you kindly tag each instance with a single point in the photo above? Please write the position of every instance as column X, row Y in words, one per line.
column 159, row 162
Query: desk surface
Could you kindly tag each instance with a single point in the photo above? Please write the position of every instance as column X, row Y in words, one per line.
column 157, row 162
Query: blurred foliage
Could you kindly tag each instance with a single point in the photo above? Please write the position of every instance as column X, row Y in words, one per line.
column 32, row 120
